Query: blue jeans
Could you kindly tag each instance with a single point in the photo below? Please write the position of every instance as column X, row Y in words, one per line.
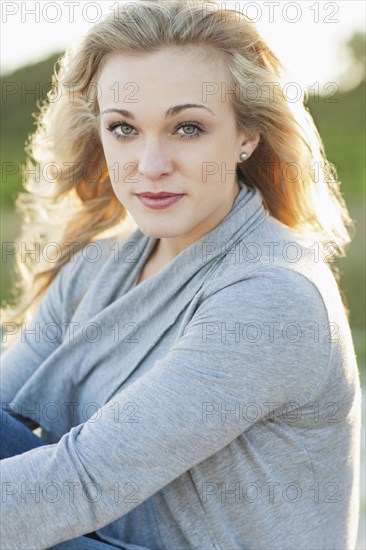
column 16, row 439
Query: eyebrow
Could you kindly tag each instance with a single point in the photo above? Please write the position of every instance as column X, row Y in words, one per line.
column 172, row 111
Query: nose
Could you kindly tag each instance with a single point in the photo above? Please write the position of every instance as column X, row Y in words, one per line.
column 154, row 161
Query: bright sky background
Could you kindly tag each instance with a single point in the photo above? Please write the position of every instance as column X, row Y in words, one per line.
column 307, row 35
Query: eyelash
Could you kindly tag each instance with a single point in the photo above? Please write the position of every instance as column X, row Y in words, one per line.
column 111, row 128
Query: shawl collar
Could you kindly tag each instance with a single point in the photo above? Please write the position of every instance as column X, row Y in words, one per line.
column 138, row 315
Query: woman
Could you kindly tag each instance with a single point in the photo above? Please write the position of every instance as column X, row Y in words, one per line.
column 195, row 381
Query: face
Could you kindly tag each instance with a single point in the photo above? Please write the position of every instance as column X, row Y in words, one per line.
column 191, row 152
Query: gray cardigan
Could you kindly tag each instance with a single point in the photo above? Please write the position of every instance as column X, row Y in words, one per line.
column 216, row 405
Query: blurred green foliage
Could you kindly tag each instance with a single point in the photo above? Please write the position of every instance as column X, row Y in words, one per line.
column 20, row 92
column 340, row 119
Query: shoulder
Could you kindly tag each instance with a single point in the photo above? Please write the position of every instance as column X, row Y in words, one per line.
column 91, row 257
column 275, row 268
column 75, row 276
column 272, row 292
column 275, row 262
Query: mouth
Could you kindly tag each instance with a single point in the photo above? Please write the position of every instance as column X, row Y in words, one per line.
column 160, row 194
column 159, row 200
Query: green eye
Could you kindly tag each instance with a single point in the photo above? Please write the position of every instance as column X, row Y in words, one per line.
column 126, row 126
column 189, row 126
column 197, row 130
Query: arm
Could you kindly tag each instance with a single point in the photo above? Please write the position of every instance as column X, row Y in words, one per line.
column 36, row 341
column 40, row 338
column 174, row 429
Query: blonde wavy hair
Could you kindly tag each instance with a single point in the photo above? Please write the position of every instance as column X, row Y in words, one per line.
column 289, row 166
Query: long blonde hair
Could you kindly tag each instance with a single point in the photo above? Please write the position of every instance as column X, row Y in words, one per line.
column 298, row 184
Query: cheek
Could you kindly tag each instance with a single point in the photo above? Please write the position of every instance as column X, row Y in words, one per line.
column 109, row 153
column 120, row 168
column 110, row 145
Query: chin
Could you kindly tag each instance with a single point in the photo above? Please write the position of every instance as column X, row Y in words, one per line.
column 159, row 232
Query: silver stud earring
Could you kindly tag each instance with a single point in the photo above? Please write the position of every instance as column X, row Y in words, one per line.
column 243, row 156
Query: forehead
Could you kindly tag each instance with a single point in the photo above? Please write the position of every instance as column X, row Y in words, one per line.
column 169, row 74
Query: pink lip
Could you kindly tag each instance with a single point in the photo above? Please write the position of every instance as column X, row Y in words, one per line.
column 158, row 194
column 160, row 201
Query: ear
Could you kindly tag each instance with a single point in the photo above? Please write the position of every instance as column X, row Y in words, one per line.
column 249, row 142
